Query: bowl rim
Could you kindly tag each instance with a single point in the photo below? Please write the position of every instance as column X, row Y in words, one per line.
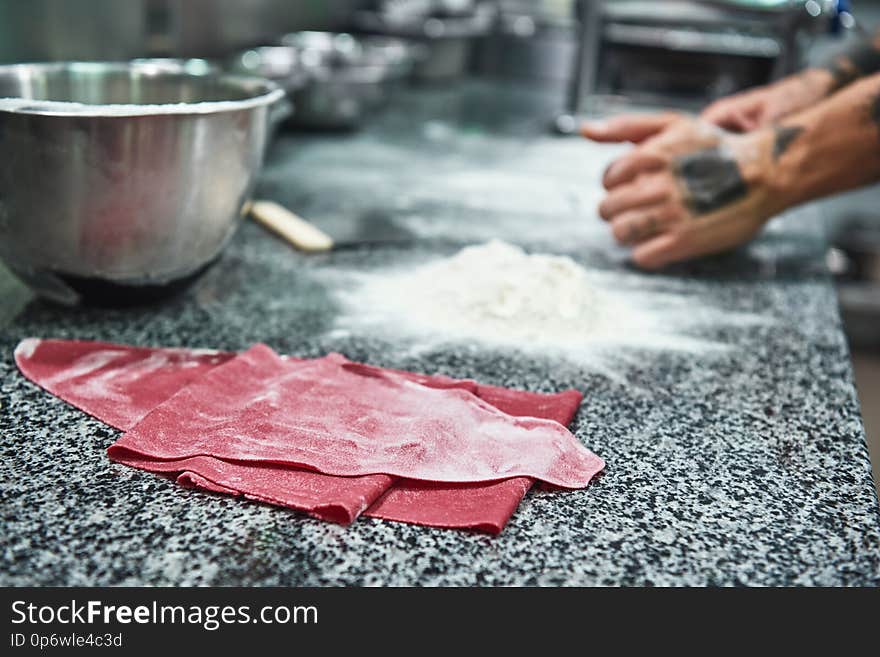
column 266, row 92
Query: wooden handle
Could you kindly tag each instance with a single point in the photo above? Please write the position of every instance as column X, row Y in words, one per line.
column 296, row 230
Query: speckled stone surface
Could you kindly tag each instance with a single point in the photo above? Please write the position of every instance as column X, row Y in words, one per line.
column 742, row 465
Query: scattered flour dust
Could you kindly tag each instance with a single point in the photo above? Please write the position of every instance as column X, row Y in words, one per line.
column 498, row 295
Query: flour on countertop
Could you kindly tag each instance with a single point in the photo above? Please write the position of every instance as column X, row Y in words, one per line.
column 498, row 295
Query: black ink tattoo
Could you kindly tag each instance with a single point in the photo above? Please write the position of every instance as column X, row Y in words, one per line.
column 844, row 72
column 711, row 179
column 783, row 138
column 862, row 59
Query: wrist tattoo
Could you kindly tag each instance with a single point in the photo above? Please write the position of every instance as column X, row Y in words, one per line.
column 843, row 72
column 783, row 138
column 711, row 179
column 858, row 61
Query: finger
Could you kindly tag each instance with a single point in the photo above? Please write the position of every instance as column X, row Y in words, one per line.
column 742, row 122
column 725, row 115
column 717, row 233
column 636, row 194
column 628, row 167
column 734, row 122
column 729, row 113
column 717, row 112
column 750, row 121
column 745, row 118
column 661, row 251
column 630, row 127
column 637, row 226
column 739, row 114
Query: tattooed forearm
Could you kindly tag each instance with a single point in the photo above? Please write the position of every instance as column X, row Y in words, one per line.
column 711, row 179
column 783, row 138
column 858, row 61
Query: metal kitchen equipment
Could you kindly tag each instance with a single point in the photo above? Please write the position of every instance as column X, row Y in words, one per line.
column 190, row 66
column 346, row 79
column 332, row 79
column 448, row 29
column 123, row 179
column 280, row 64
column 278, row 112
column 395, row 57
column 688, row 52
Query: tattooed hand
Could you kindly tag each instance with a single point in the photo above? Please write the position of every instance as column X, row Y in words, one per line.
column 690, row 189
column 660, row 137
column 766, row 105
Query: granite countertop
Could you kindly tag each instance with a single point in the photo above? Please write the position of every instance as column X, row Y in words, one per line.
column 742, row 463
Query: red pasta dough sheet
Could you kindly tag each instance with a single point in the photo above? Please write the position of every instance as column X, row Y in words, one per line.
column 133, row 385
column 345, row 419
column 337, row 499
column 117, row 384
column 121, row 384
column 484, row 507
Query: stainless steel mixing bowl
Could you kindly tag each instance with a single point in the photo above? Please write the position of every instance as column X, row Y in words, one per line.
column 126, row 175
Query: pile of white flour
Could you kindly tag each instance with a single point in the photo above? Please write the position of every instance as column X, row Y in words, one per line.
column 498, row 295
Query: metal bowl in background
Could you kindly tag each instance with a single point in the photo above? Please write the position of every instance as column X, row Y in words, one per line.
column 317, row 48
column 339, row 98
column 399, row 57
column 333, row 79
column 347, row 78
column 394, row 57
column 321, row 97
column 123, row 179
column 281, row 64
column 372, row 65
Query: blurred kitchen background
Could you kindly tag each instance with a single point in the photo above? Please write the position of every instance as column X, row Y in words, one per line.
column 587, row 52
